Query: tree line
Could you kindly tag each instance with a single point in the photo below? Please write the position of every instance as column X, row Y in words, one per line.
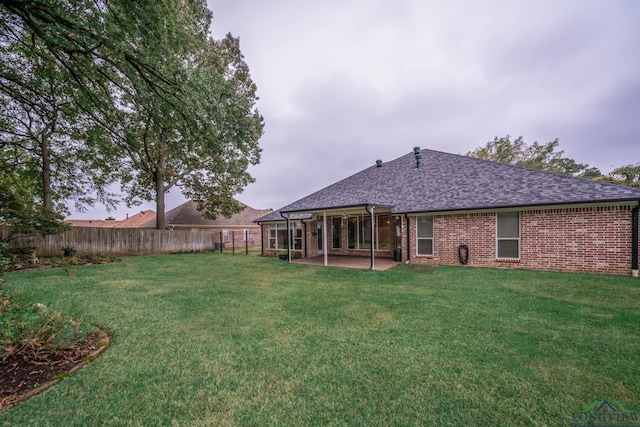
column 97, row 93
column 548, row 157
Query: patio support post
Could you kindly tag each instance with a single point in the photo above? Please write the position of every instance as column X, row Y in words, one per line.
column 373, row 240
column 324, row 239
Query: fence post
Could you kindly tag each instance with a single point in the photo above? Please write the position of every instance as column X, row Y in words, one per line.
column 221, row 242
column 233, row 242
column 246, row 242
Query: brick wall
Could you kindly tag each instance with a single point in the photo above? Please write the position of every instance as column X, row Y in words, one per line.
column 595, row 239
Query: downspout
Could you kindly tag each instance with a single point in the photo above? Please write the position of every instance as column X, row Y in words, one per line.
column 406, row 216
column 325, row 247
column 370, row 212
column 634, row 240
column 262, row 238
column 305, row 238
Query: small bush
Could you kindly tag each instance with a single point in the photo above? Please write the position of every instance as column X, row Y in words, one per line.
column 68, row 251
column 5, row 259
column 26, row 250
column 27, row 329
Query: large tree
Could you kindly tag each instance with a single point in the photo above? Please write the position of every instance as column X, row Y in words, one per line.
column 625, row 175
column 42, row 131
column 177, row 106
column 535, row 156
column 208, row 157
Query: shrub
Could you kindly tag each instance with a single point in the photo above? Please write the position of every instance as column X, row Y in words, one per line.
column 27, row 329
column 68, row 251
column 5, row 259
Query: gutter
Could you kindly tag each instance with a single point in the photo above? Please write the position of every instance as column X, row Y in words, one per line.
column 634, row 240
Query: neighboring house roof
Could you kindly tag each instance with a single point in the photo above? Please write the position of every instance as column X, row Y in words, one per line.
column 187, row 215
column 100, row 223
column 136, row 221
column 130, row 222
column 450, row 182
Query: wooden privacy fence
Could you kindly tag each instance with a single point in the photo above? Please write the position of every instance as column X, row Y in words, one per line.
column 116, row 241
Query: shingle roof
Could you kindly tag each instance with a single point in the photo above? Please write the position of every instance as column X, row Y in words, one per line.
column 97, row 223
column 187, row 214
column 138, row 220
column 448, row 182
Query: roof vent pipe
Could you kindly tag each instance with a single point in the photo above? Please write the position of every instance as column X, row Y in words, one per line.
column 378, row 163
column 417, row 155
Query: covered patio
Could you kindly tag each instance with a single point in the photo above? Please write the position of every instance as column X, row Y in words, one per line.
column 360, row 263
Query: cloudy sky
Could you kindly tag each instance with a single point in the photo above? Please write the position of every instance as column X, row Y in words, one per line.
column 345, row 82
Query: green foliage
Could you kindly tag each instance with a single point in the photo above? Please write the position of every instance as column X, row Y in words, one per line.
column 165, row 105
column 68, row 251
column 43, row 130
column 30, row 328
column 5, row 259
column 625, row 175
column 26, row 219
column 534, row 156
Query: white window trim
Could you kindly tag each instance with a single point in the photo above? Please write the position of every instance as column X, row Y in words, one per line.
column 281, row 245
column 424, row 238
column 225, row 235
column 510, row 238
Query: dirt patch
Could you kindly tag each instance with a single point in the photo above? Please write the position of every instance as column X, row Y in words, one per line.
column 23, row 376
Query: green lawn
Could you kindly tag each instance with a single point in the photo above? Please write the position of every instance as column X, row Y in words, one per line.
column 221, row 339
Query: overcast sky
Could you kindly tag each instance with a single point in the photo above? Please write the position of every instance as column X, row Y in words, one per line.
column 343, row 83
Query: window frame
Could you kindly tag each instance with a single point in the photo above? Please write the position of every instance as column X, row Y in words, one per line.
column 278, row 236
column 359, row 228
column 338, row 230
column 517, row 239
column 418, row 238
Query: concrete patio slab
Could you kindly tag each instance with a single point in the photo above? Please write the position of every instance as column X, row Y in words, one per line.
column 360, row 263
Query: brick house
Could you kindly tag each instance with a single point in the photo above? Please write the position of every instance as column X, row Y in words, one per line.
column 240, row 228
column 431, row 207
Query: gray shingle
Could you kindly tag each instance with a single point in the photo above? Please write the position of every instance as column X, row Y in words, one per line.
column 447, row 182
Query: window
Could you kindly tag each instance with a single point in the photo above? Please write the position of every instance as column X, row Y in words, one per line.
column 336, row 232
column 225, row 235
column 383, row 232
column 508, row 235
column 359, row 232
column 425, row 235
column 296, row 235
column 245, row 234
column 278, row 236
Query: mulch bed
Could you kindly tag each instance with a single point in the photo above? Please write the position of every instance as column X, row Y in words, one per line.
column 23, row 376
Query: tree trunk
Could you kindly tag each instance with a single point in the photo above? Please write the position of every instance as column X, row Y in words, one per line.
column 158, row 176
column 46, row 173
column 160, row 219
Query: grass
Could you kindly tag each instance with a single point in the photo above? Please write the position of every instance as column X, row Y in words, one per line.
column 220, row 339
